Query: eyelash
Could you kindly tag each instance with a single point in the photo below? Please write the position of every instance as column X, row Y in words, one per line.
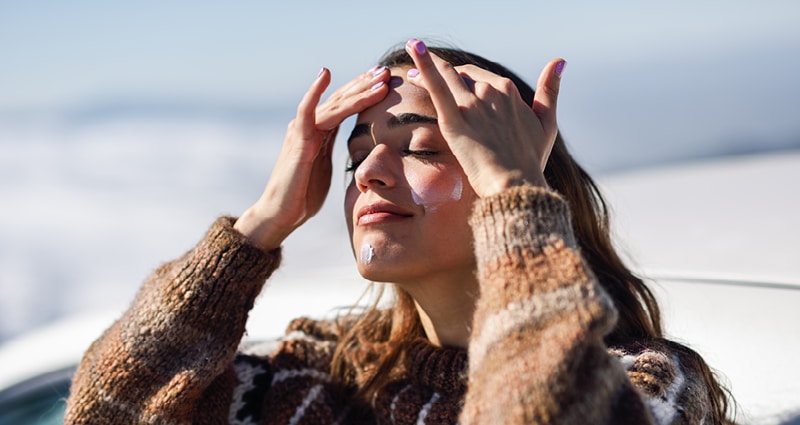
column 353, row 165
column 419, row 153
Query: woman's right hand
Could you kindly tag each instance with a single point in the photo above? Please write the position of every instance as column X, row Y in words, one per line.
column 498, row 139
column 302, row 174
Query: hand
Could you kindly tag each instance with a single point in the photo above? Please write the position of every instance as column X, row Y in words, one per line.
column 301, row 178
column 498, row 139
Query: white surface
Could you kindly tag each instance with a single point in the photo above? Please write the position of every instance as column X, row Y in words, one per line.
column 749, row 336
column 50, row 348
column 732, row 218
column 62, row 344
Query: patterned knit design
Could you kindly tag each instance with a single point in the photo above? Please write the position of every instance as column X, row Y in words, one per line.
column 540, row 319
column 432, row 391
column 536, row 354
column 178, row 337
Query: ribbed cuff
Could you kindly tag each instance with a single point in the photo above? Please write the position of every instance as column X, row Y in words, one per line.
column 229, row 269
column 253, row 262
column 191, row 313
column 523, row 217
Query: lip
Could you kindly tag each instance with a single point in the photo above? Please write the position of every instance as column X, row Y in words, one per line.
column 381, row 212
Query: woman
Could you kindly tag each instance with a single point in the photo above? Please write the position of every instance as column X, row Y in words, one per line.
column 512, row 306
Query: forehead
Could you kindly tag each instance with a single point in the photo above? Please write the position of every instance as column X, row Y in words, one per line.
column 403, row 97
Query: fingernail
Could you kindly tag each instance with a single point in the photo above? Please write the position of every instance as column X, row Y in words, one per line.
column 418, row 46
column 413, row 72
column 377, row 70
column 395, row 82
column 560, row 68
column 377, row 85
column 321, row 70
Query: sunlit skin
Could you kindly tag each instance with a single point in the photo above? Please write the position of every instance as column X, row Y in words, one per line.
column 409, row 202
column 425, row 150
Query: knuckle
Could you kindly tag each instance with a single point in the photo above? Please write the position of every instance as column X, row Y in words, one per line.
column 482, row 89
column 551, row 90
column 446, row 66
column 506, row 85
column 292, row 125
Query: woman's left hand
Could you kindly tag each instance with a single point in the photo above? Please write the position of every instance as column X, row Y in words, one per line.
column 498, row 139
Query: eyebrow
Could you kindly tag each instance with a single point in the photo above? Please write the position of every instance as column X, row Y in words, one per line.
column 399, row 120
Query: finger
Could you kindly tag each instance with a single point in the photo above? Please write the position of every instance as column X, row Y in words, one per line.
column 436, row 76
column 546, row 97
column 306, row 110
column 481, row 79
column 360, row 93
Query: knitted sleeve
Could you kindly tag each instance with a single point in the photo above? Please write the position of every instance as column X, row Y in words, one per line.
column 173, row 349
column 536, row 353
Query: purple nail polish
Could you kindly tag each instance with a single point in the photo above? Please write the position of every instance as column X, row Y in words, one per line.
column 417, row 45
column 420, row 47
column 413, row 72
column 321, row 70
column 377, row 85
column 377, row 71
column 372, row 70
column 560, row 68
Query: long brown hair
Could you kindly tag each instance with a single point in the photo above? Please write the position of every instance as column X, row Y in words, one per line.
column 371, row 349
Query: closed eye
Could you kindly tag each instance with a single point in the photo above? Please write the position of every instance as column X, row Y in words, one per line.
column 419, row 152
column 422, row 155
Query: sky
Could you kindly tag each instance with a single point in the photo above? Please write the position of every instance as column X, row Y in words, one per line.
column 640, row 74
column 57, row 53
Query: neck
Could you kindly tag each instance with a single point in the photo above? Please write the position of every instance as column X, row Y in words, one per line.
column 445, row 309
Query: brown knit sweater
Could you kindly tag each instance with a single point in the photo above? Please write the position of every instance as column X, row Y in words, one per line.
column 536, row 353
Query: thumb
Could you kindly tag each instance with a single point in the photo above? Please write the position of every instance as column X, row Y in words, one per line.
column 546, row 97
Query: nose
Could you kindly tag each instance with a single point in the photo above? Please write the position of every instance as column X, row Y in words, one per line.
column 377, row 171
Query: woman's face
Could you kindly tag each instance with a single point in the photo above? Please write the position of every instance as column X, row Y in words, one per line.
column 408, row 201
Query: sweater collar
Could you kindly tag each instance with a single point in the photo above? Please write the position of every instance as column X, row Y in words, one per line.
column 442, row 369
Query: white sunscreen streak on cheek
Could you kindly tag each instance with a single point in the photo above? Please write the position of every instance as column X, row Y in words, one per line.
column 367, row 253
column 416, row 198
column 457, row 189
column 431, row 198
column 423, row 199
column 419, row 198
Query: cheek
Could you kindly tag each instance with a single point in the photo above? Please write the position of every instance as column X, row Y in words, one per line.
column 432, row 191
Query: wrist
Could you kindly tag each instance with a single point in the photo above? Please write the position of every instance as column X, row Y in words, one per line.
column 537, row 180
column 509, row 179
column 260, row 231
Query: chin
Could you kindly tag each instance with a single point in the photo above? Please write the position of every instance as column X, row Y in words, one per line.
column 374, row 273
column 384, row 273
